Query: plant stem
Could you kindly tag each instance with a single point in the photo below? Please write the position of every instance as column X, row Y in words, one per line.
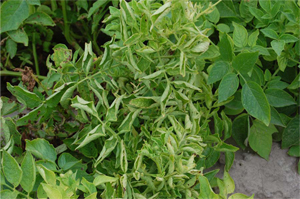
column 18, row 74
column 53, row 5
column 36, row 63
column 68, row 37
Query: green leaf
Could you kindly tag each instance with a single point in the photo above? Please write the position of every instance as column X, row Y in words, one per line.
column 123, row 157
column 226, row 148
column 228, row 86
column 217, row 72
column 255, row 102
column 100, row 179
column 226, row 49
column 8, row 106
column 244, row 62
column 19, row 36
column 240, row 35
column 11, row 48
column 34, row 2
column 11, row 169
column 260, row 138
column 96, row 7
column 40, row 18
column 113, row 109
column 240, row 196
column 279, row 98
column 7, row 194
column 269, row 33
column 253, row 38
column 276, row 118
column 278, row 46
column 66, row 97
column 229, row 183
column 132, row 39
column 109, row 146
column 41, row 149
column 186, row 85
column 52, row 191
column 229, row 159
column 67, row 161
column 48, row 175
column 13, row 13
column 88, row 106
column 128, row 121
column 287, row 38
column 29, row 172
column 61, row 54
column 294, row 151
column 94, row 134
column 205, row 189
column 291, row 134
column 31, row 100
column 240, row 129
column 142, row 102
column 265, row 4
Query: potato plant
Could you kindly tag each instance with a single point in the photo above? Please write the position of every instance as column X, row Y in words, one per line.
column 150, row 114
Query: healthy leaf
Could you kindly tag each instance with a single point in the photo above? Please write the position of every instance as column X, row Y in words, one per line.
column 240, row 35
column 240, row 129
column 11, row 48
column 226, row 49
column 278, row 46
column 13, row 13
column 244, row 62
column 205, row 189
column 96, row 7
column 229, row 183
column 41, row 149
column 11, row 169
column 229, row 159
column 291, row 134
column 31, row 100
column 228, row 86
column 19, row 36
column 67, row 161
column 52, row 191
column 253, row 38
column 48, row 175
column 279, row 98
column 255, row 102
column 294, row 151
column 240, row 196
column 287, row 38
column 269, row 33
column 29, row 172
column 217, row 72
column 142, row 102
column 100, row 179
column 7, row 194
column 260, row 138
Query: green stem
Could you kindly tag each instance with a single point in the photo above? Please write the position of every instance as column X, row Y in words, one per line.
column 18, row 74
column 68, row 37
column 36, row 63
column 53, row 5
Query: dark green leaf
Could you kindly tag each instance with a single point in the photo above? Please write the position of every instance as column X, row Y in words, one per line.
column 255, row 102
column 19, row 36
column 279, row 98
column 291, row 134
column 29, row 172
column 228, row 86
column 67, row 161
column 240, row 129
column 240, row 35
column 217, row 72
column 244, row 62
column 40, row 18
column 294, row 151
column 41, row 149
column 226, row 49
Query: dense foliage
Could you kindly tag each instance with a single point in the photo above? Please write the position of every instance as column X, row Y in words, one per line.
column 147, row 116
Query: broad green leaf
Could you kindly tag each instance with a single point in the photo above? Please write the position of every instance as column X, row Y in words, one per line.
column 41, row 149
column 222, row 188
column 260, row 138
column 205, row 189
column 240, row 129
column 269, row 33
column 228, row 86
column 276, row 118
column 128, row 121
column 229, row 183
column 100, row 179
column 287, row 38
column 13, row 13
column 34, row 2
column 229, row 159
column 244, row 9
column 132, row 39
column 266, row 5
column 66, row 97
column 11, row 169
column 295, row 83
column 92, row 196
column 89, row 186
column 226, row 49
column 240, row 35
column 48, row 175
column 40, row 18
column 253, row 38
column 142, row 102
column 217, row 72
column 54, row 99
column 154, row 75
column 31, row 116
column 291, row 134
column 29, row 172
column 294, row 151
column 31, row 100
column 255, row 102
column 279, row 98
column 278, row 46
column 67, row 161
column 244, row 62
column 52, row 191
column 226, row 148
column 19, row 36
column 113, row 109
column 11, row 48
column 7, row 194
column 94, row 134
column 240, row 196
column 214, row 16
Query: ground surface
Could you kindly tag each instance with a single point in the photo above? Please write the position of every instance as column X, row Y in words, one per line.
column 276, row 178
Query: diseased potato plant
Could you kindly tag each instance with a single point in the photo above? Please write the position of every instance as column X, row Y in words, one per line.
column 146, row 118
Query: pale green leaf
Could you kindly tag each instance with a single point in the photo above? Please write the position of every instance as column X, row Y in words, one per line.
column 29, row 172
column 11, row 169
